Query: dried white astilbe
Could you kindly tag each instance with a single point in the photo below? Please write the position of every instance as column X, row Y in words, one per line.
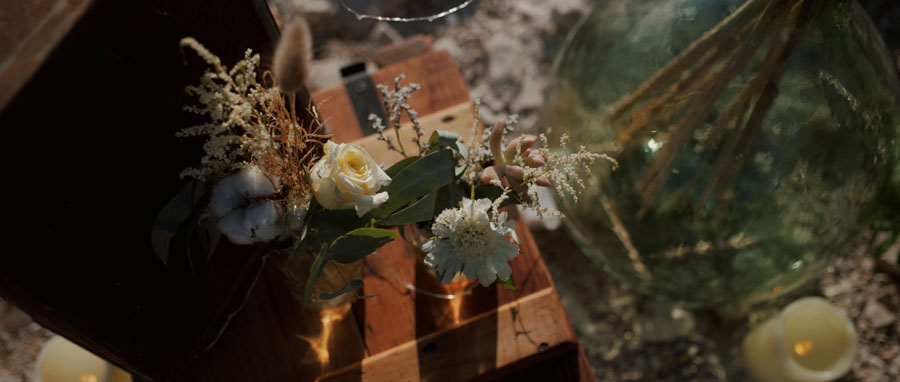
column 395, row 104
column 521, row 168
column 236, row 105
column 560, row 169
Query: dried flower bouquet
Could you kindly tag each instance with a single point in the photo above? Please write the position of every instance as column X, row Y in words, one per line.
column 271, row 180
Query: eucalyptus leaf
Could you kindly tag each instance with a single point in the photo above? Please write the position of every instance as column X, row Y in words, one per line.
column 396, row 167
column 451, row 140
column 350, row 287
column 419, row 178
column 175, row 212
column 419, row 211
column 331, row 224
column 314, row 272
column 356, row 244
column 448, row 197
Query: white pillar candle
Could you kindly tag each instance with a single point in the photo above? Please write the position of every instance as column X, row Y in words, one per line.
column 809, row 341
column 61, row 360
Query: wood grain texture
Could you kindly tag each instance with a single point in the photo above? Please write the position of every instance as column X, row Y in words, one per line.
column 475, row 346
column 273, row 339
column 457, row 118
column 442, row 87
column 116, row 74
column 31, row 30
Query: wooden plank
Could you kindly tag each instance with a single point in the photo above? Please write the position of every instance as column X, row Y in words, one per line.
column 273, row 339
column 457, row 118
column 31, row 30
column 117, row 71
column 442, row 87
column 479, row 344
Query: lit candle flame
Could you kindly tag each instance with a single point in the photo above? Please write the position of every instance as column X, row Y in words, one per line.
column 803, row 348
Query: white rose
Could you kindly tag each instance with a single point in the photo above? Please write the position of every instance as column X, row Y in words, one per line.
column 348, row 178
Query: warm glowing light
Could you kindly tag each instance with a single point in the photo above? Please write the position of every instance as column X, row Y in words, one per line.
column 319, row 344
column 456, row 308
column 803, row 347
column 87, row 378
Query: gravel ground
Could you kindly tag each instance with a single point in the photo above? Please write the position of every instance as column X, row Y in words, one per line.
column 505, row 50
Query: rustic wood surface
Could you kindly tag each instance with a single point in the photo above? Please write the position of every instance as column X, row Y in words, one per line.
column 91, row 131
column 442, row 87
column 402, row 334
column 31, row 30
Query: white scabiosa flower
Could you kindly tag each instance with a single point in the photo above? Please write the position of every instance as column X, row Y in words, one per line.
column 468, row 239
column 245, row 216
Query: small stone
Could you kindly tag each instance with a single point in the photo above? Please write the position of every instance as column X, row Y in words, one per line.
column 878, row 315
column 842, row 287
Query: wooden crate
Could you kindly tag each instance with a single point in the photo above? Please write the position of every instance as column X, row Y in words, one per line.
column 401, row 335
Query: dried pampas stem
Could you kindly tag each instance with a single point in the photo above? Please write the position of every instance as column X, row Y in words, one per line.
column 293, row 55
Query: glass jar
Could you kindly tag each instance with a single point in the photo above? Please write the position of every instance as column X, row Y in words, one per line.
column 296, row 269
column 751, row 136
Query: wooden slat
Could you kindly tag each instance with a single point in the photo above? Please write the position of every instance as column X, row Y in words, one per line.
column 31, row 30
column 479, row 344
column 457, row 118
column 274, row 339
column 442, row 87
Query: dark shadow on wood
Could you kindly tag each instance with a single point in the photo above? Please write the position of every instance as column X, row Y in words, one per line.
column 559, row 363
column 274, row 339
column 460, row 353
column 91, row 137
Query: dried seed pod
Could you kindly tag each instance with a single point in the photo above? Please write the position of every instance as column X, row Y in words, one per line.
column 293, row 55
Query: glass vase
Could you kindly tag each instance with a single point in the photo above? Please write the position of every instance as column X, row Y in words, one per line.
column 296, row 270
column 751, row 136
column 427, row 282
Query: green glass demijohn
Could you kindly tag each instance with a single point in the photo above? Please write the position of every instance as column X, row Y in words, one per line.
column 751, row 137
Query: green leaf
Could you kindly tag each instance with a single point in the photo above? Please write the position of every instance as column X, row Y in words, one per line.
column 451, row 140
column 175, row 212
column 356, row 244
column 420, row 211
column 350, row 287
column 448, row 196
column 331, row 224
column 419, row 178
column 350, row 247
column 509, row 284
column 396, row 167
column 314, row 271
column 443, row 138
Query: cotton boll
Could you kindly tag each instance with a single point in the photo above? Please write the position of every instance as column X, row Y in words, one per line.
column 239, row 189
column 263, row 221
column 242, row 217
column 257, row 223
column 232, row 225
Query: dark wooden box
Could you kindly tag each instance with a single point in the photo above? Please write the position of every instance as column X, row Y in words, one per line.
column 91, row 93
